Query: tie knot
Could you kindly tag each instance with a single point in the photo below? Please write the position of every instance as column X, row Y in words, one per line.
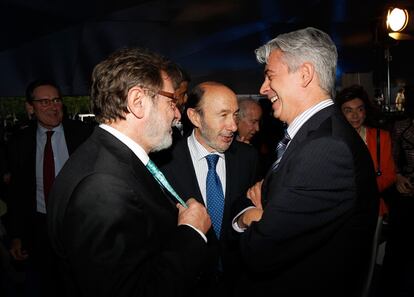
column 286, row 138
column 49, row 133
column 212, row 161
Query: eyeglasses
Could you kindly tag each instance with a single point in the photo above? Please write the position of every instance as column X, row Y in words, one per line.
column 168, row 94
column 47, row 102
column 172, row 96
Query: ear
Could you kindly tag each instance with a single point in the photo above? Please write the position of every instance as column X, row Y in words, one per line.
column 307, row 72
column 194, row 117
column 137, row 101
column 29, row 109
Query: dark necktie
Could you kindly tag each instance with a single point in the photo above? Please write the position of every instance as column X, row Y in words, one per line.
column 215, row 196
column 48, row 166
column 280, row 149
column 160, row 178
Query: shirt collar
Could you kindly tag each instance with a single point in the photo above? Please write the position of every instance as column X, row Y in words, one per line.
column 301, row 119
column 200, row 152
column 42, row 130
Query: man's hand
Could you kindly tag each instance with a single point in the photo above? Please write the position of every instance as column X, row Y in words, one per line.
column 195, row 215
column 249, row 216
column 255, row 194
column 16, row 250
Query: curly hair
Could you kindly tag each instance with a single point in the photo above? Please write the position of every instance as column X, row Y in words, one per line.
column 116, row 75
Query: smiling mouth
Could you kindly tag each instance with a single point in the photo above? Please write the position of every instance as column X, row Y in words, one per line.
column 274, row 98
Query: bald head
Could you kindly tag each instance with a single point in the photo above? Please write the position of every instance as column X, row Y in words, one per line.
column 212, row 109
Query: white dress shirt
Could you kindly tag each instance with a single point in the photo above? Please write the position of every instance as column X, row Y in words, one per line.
column 60, row 156
column 198, row 156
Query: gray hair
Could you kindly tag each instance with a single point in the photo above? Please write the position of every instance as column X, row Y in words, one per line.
column 305, row 45
column 243, row 103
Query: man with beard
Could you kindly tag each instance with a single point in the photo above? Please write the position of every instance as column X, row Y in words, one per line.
column 30, row 186
column 114, row 221
column 212, row 109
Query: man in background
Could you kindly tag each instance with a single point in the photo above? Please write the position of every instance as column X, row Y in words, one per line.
column 248, row 124
column 37, row 153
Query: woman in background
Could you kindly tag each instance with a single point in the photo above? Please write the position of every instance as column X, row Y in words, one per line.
column 359, row 112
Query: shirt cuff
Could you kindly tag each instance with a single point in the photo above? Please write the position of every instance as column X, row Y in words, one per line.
column 198, row 231
column 236, row 226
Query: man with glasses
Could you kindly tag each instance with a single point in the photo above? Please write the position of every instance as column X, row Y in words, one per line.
column 37, row 153
column 116, row 223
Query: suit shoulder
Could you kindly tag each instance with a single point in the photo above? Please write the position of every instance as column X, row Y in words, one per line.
column 77, row 127
column 243, row 148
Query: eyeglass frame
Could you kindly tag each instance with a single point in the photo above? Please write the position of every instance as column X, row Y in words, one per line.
column 168, row 95
column 48, row 102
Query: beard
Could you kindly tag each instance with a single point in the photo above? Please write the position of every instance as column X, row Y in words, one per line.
column 159, row 131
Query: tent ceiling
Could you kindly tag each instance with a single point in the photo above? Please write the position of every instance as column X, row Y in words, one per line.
column 212, row 39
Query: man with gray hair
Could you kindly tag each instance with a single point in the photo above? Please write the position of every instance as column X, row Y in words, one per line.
column 311, row 230
column 250, row 113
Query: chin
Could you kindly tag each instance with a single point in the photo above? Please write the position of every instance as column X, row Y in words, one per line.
column 164, row 144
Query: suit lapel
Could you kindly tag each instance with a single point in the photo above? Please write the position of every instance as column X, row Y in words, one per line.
column 186, row 163
column 310, row 125
column 231, row 171
column 140, row 179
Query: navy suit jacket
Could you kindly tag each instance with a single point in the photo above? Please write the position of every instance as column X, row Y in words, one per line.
column 320, row 212
column 241, row 171
column 115, row 230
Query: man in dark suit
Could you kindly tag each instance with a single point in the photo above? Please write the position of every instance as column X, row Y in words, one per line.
column 312, row 230
column 27, row 206
column 113, row 220
column 212, row 109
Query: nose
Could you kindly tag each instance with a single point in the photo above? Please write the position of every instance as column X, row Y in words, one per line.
column 232, row 125
column 256, row 127
column 264, row 89
column 177, row 114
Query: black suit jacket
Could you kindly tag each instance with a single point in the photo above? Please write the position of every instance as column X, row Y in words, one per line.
column 115, row 230
column 241, row 170
column 22, row 160
column 320, row 211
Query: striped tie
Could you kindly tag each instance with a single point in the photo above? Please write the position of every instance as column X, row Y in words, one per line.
column 281, row 148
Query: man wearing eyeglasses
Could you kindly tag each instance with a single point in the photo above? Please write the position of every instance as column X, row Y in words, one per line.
column 35, row 160
column 118, row 226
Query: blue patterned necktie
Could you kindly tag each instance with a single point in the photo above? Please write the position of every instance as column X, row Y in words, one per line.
column 281, row 148
column 214, row 193
column 160, row 178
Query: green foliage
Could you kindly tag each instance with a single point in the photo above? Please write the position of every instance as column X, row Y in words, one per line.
column 12, row 107
column 76, row 105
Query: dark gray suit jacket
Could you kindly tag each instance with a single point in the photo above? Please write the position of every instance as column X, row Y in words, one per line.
column 320, row 211
column 115, row 230
column 22, row 161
